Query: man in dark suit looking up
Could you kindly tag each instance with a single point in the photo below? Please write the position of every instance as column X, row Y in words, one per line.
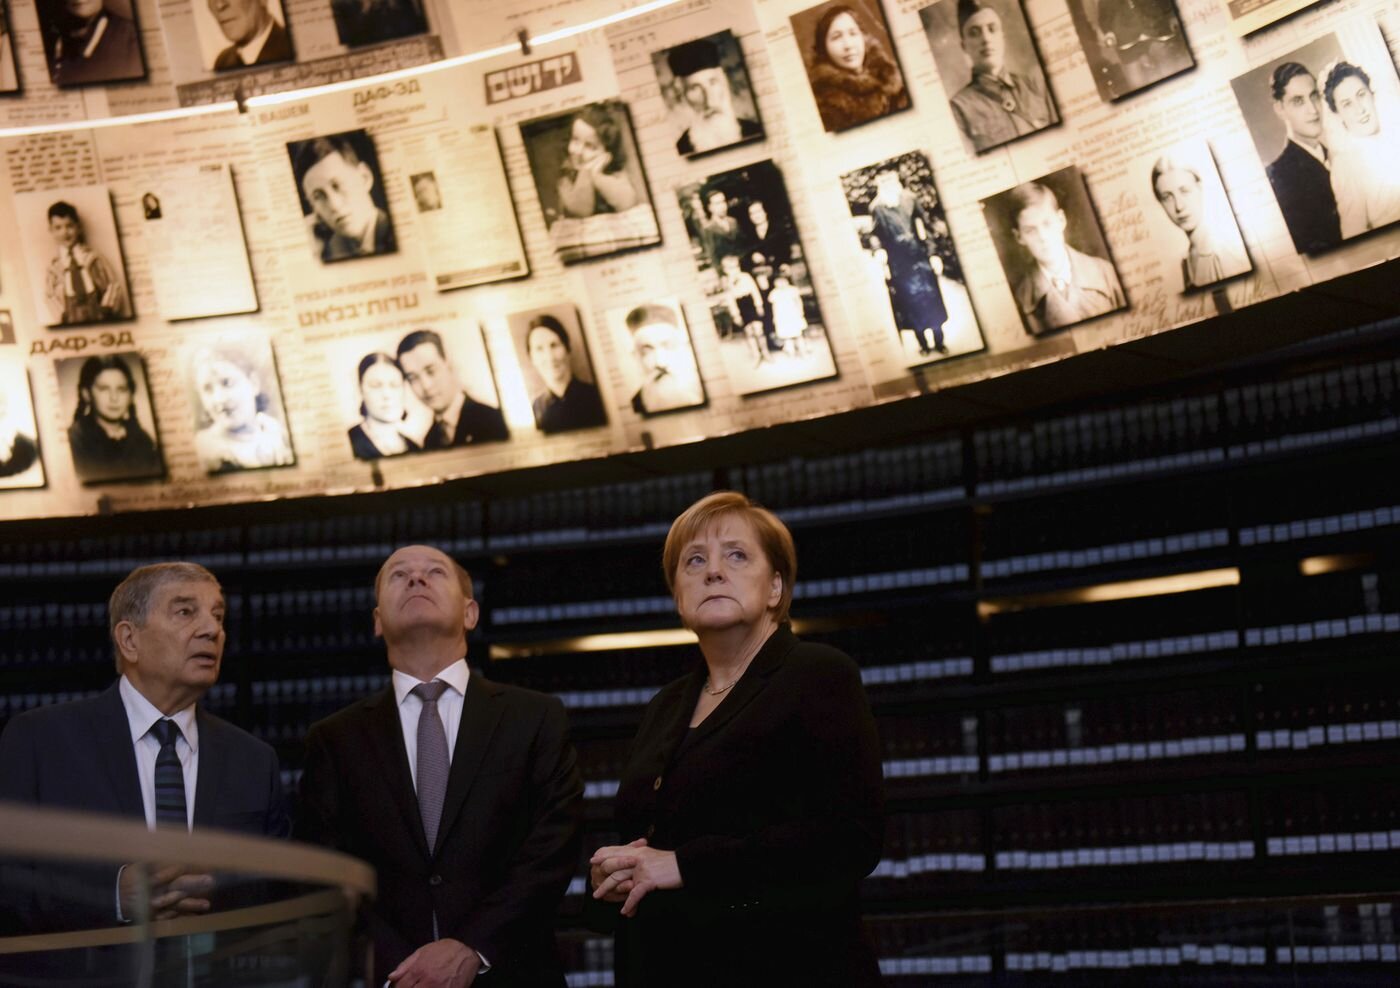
column 257, row 38
column 1301, row 175
column 463, row 794
column 458, row 419
column 143, row 749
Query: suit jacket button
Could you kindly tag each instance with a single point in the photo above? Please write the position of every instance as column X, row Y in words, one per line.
column 656, row 785
column 435, row 880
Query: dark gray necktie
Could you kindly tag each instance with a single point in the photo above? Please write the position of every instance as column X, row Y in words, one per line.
column 170, row 777
column 433, row 761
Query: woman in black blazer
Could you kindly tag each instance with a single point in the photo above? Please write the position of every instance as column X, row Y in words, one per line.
column 752, row 795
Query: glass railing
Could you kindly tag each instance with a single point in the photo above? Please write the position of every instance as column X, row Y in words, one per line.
column 88, row 901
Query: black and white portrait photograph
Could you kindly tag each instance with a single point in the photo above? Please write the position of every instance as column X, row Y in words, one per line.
column 20, row 463
column 9, row 72
column 150, row 206
column 1195, row 224
column 1054, row 252
column 240, row 421
column 1326, row 123
column 756, row 281
column 234, row 34
column 1130, row 44
column 74, row 255
column 709, row 100
column 383, row 412
column 898, row 217
column 90, row 41
column 988, row 61
column 590, row 182
column 449, row 374
column 851, row 63
column 7, row 328
column 368, row 22
column 558, row 373
column 426, row 194
column 657, row 359
column 112, row 431
column 342, row 196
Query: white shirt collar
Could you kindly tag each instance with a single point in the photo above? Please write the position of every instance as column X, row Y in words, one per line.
column 141, row 715
column 250, row 52
column 455, row 676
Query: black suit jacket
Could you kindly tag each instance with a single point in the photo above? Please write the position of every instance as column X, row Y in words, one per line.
column 507, row 844
column 1303, row 188
column 79, row 756
column 774, row 808
column 478, row 423
column 277, row 48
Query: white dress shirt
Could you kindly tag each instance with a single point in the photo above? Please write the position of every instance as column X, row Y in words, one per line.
column 141, row 715
column 449, row 709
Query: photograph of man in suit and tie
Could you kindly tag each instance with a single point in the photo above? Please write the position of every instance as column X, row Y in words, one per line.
column 142, row 748
column 462, row 793
column 342, row 196
column 240, row 33
column 1281, row 102
column 459, row 419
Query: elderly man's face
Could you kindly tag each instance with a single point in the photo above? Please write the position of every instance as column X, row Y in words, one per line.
column 984, row 42
column 707, row 92
column 240, row 20
column 1301, row 107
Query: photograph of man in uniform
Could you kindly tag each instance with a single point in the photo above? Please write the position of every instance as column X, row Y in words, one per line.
column 706, row 88
column 1130, row 44
column 1281, row 103
column 342, row 196
column 1055, row 283
column 253, row 32
column 988, row 61
column 86, row 41
column 458, row 418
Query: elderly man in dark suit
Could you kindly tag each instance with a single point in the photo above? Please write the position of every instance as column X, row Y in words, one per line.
column 257, row 38
column 1301, row 174
column 463, row 794
column 141, row 749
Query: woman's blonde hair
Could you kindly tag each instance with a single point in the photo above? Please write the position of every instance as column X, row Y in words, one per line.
column 773, row 538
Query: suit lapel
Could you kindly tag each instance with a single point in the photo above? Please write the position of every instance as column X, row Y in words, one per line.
column 386, row 736
column 112, row 741
column 481, row 712
column 209, row 779
column 770, row 656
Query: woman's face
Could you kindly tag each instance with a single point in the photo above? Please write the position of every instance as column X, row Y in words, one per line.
column 845, row 43
column 724, row 580
column 584, row 145
column 111, row 395
column 550, row 357
column 1179, row 192
column 1356, row 105
column 230, row 395
column 381, row 389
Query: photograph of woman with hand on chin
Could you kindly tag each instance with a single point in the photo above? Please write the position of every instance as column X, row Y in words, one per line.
column 751, row 805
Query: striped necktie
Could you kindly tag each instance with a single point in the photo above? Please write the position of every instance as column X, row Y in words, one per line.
column 433, row 761
column 170, row 776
